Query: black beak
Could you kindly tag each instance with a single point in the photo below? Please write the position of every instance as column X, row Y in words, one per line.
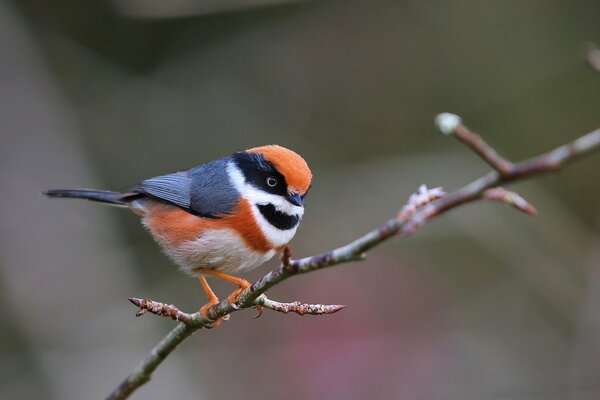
column 295, row 199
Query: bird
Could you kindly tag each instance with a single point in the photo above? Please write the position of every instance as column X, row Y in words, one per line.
column 221, row 218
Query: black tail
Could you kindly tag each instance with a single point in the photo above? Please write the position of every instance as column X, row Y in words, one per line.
column 102, row 196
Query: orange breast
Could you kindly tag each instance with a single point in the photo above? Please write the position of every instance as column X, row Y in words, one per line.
column 175, row 226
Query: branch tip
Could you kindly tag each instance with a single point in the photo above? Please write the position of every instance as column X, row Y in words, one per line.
column 513, row 199
column 447, row 123
column 158, row 308
column 135, row 301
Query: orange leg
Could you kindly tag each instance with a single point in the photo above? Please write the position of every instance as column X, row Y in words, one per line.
column 241, row 282
column 212, row 299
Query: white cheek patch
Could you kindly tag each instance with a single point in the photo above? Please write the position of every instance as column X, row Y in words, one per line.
column 255, row 197
column 277, row 237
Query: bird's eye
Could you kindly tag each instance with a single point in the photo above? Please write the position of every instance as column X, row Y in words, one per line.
column 271, row 181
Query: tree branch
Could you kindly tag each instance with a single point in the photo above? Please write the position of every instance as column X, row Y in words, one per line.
column 421, row 207
column 169, row 310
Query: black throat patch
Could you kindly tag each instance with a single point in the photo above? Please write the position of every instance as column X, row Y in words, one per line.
column 278, row 219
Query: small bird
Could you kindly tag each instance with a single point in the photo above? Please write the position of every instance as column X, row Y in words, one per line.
column 227, row 216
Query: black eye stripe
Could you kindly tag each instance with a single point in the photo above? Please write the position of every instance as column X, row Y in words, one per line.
column 257, row 170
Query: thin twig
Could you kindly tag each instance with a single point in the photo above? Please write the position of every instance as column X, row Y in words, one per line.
column 286, row 255
column 162, row 309
column 481, row 148
column 511, row 198
column 170, row 311
column 404, row 223
column 298, row 307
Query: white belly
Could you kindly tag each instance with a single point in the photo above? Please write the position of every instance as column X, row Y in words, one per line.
column 221, row 249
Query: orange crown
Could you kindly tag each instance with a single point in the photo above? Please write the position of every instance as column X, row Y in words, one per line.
column 289, row 164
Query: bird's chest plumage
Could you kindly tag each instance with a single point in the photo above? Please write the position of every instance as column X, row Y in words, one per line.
column 232, row 243
column 221, row 249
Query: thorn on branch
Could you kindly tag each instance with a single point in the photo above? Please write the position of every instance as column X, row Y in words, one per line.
column 513, row 199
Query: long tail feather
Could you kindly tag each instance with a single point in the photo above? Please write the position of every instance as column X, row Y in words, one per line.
column 102, row 196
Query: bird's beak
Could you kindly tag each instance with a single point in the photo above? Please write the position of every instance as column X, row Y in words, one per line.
column 295, row 199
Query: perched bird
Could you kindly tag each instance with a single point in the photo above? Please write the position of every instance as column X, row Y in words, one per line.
column 227, row 216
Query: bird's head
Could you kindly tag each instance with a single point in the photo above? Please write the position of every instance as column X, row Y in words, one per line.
column 275, row 181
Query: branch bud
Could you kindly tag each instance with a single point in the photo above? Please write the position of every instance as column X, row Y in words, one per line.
column 447, row 122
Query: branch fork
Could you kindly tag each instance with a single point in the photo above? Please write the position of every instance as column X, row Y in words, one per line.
column 171, row 311
column 420, row 208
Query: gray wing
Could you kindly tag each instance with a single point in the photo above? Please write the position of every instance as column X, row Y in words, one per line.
column 204, row 190
column 173, row 188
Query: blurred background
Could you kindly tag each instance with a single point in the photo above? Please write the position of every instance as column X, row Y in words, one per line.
column 482, row 303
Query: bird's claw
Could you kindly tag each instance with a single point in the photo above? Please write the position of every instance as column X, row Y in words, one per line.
column 259, row 308
column 204, row 313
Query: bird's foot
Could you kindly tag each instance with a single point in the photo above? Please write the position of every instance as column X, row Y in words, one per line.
column 233, row 297
column 204, row 312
